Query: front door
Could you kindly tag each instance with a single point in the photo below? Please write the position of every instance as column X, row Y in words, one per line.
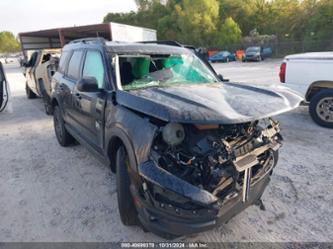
column 89, row 106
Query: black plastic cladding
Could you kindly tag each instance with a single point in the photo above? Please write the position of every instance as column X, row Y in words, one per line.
column 156, row 175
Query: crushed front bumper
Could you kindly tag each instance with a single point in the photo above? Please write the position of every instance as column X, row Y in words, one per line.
column 169, row 220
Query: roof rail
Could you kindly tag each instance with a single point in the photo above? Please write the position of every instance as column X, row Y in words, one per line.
column 166, row 42
column 170, row 43
column 89, row 40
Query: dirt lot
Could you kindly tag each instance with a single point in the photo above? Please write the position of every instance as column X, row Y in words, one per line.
column 50, row 193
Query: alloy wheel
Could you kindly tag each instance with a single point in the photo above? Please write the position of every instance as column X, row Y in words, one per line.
column 324, row 109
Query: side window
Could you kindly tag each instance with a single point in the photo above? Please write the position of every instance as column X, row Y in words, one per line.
column 74, row 65
column 33, row 59
column 62, row 62
column 93, row 67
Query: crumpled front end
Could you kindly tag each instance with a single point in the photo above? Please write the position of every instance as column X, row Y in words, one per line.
column 200, row 175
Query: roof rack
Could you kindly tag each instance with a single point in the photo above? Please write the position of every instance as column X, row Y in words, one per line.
column 89, row 40
column 166, row 42
column 171, row 43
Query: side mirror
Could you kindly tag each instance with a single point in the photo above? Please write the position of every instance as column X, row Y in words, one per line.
column 220, row 76
column 87, row 84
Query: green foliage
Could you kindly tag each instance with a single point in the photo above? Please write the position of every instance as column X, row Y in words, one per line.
column 229, row 33
column 197, row 21
column 320, row 23
column 220, row 23
column 8, row 43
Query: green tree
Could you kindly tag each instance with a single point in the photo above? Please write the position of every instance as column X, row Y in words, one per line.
column 218, row 23
column 8, row 43
column 197, row 21
column 229, row 33
column 320, row 23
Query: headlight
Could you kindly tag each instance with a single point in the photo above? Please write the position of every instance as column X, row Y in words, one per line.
column 173, row 134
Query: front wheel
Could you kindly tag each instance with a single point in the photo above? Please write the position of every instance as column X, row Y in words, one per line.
column 127, row 210
column 321, row 108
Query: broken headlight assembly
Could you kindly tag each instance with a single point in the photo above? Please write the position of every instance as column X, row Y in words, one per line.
column 224, row 160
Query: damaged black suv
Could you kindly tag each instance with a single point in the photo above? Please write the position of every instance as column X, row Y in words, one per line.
column 189, row 151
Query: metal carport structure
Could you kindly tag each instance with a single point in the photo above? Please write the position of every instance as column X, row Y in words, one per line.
column 58, row 37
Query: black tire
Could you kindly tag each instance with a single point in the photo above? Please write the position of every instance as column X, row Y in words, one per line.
column 63, row 137
column 127, row 210
column 46, row 99
column 276, row 157
column 30, row 94
column 315, row 106
column 48, row 107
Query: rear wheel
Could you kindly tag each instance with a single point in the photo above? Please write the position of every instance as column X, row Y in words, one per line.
column 47, row 106
column 30, row 94
column 63, row 137
column 127, row 210
column 321, row 108
column 46, row 99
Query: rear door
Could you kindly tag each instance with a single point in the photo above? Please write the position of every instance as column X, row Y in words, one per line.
column 89, row 106
column 67, row 85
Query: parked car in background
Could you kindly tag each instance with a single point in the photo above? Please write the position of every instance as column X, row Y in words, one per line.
column 223, row 56
column 38, row 72
column 187, row 156
column 311, row 74
column 256, row 54
column 9, row 59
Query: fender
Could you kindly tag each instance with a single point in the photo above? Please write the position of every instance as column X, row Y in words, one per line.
column 124, row 123
column 115, row 136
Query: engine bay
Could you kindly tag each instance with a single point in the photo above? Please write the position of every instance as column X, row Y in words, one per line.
column 221, row 159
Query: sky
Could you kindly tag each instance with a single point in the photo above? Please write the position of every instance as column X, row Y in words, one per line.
column 30, row 15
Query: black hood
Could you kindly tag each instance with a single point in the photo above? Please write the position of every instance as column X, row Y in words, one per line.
column 223, row 103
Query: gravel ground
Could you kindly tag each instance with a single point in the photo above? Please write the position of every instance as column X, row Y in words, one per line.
column 52, row 194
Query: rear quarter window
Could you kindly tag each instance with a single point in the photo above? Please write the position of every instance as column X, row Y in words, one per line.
column 74, row 65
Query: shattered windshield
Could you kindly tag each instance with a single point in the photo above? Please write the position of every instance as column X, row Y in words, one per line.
column 142, row 71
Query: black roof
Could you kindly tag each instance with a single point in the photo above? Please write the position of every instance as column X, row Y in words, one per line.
column 144, row 48
column 128, row 47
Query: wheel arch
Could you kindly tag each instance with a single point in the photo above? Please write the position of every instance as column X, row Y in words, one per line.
column 316, row 86
column 119, row 138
